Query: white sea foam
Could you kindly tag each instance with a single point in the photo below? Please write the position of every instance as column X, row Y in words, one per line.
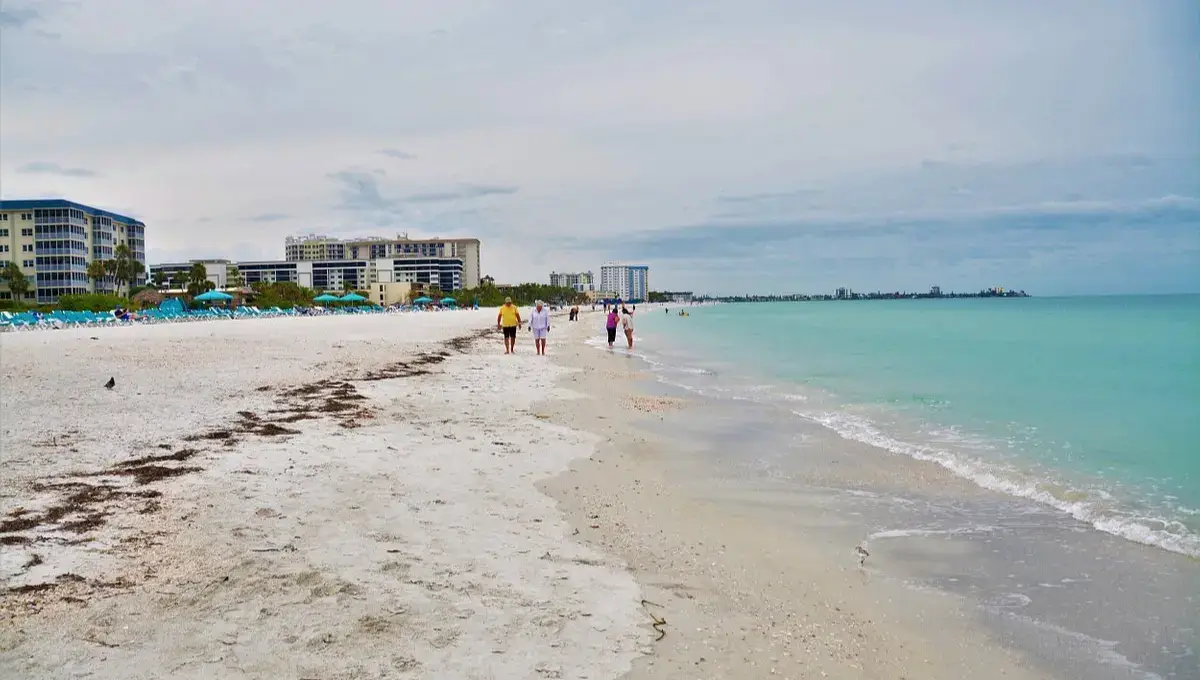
column 910, row 533
column 1094, row 506
column 1084, row 506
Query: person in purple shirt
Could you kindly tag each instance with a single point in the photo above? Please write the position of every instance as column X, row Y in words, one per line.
column 613, row 320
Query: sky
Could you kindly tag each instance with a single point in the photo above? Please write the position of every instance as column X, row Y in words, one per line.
column 748, row 146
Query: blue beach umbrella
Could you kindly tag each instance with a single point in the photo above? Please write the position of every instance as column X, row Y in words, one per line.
column 352, row 297
column 213, row 296
column 422, row 300
column 325, row 297
column 449, row 301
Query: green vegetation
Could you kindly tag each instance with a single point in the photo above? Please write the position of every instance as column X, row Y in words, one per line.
column 15, row 278
column 91, row 302
column 197, row 280
column 488, row 295
column 284, row 295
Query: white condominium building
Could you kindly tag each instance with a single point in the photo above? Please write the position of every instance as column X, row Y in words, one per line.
column 629, row 282
column 320, row 248
column 581, row 282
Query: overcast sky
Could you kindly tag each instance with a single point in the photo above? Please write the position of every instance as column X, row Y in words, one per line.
column 750, row 145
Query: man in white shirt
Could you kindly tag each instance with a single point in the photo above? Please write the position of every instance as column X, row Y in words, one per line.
column 539, row 325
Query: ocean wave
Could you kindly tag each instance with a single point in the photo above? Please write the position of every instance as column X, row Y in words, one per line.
column 1095, row 506
column 919, row 532
column 1090, row 506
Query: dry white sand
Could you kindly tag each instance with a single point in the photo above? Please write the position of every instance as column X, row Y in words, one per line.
column 391, row 530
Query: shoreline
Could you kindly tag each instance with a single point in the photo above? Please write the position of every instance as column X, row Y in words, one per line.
column 738, row 601
column 1020, row 576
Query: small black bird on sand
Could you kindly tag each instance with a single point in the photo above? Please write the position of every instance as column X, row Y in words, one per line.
column 112, row 382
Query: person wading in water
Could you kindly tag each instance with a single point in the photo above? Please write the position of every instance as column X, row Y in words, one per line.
column 611, row 324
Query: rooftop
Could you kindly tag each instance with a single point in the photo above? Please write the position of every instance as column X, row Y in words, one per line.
column 307, row 238
column 36, row 203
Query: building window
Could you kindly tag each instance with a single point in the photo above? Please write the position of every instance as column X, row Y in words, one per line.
column 3, row 232
column 4, row 248
column 26, row 247
column 27, row 263
column 3, row 217
column 27, row 232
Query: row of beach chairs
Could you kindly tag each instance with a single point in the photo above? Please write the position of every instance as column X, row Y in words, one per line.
column 17, row 321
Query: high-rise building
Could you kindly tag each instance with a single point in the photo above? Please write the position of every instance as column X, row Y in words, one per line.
column 629, row 282
column 435, row 258
column 53, row 240
column 581, row 282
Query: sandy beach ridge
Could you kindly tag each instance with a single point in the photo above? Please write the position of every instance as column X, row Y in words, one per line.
column 359, row 498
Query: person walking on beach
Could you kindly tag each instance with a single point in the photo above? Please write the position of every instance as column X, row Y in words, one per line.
column 611, row 324
column 508, row 320
column 627, row 324
column 539, row 325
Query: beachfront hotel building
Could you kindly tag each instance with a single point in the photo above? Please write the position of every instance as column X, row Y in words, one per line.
column 444, row 273
column 581, row 282
column 375, row 264
column 435, row 261
column 625, row 281
column 53, row 240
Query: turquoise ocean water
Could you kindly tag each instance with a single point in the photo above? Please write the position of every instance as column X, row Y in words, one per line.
column 1088, row 405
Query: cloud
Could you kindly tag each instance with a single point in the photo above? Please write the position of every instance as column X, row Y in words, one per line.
column 461, row 193
column 396, row 153
column 17, row 18
column 270, row 217
column 47, row 168
column 360, row 191
column 801, row 134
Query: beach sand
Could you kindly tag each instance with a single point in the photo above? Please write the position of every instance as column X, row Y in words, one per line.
column 358, row 497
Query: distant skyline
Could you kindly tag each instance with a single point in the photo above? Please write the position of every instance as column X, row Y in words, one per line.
column 759, row 146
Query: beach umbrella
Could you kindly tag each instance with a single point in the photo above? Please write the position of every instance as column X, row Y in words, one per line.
column 422, row 300
column 352, row 297
column 213, row 296
column 325, row 297
column 449, row 301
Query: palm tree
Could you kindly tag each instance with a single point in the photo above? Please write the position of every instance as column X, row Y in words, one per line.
column 15, row 278
column 198, row 274
column 158, row 280
column 125, row 268
column 98, row 272
column 197, row 279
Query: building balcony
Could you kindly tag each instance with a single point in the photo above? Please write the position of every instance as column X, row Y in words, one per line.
column 81, row 252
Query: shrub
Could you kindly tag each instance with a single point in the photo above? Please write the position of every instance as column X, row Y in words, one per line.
column 92, row 302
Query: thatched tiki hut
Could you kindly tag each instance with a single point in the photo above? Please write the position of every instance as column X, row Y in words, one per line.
column 146, row 299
